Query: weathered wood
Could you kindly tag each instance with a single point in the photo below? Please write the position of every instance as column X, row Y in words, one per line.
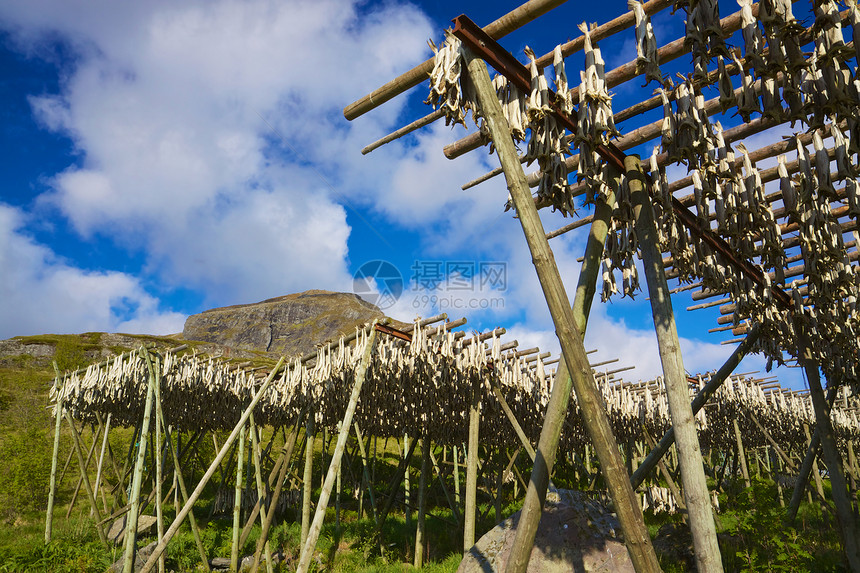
column 407, row 488
column 96, row 431
column 237, row 501
column 174, row 527
column 396, row 479
column 420, row 530
column 204, row 560
column 626, row 502
column 469, row 520
column 613, row 78
column 497, row 392
column 497, row 29
column 157, row 452
column 261, row 487
column 698, row 501
column 102, row 453
column 839, row 491
column 58, row 417
column 307, row 486
column 664, row 471
column 79, row 452
column 454, row 509
column 705, row 394
column 742, row 456
column 365, row 474
column 334, row 466
column 130, row 547
column 270, row 515
column 405, row 130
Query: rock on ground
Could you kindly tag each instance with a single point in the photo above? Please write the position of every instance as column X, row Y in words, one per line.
column 575, row 533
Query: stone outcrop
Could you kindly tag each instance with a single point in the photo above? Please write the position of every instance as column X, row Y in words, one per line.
column 286, row 325
column 575, row 533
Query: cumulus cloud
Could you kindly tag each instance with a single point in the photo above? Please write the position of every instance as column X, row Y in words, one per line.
column 43, row 293
column 208, row 131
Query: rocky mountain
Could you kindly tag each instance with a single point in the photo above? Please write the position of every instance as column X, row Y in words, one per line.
column 286, row 325
column 283, row 326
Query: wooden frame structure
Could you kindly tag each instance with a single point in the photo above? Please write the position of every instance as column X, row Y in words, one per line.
column 736, row 245
column 515, row 390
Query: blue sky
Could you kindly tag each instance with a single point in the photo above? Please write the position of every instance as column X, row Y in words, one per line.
column 163, row 158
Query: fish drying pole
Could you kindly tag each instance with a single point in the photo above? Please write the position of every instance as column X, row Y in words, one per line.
column 486, row 103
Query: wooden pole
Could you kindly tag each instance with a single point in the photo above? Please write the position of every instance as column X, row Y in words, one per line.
column 472, row 469
column 575, row 358
column 102, row 455
column 237, row 502
column 96, row 431
column 420, row 531
column 365, row 473
column 806, row 466
column 698, row 501
column 456, row 455
column 155, row 372
column 261, row 487
column 717, row 380
column 134, row 501
column 264, row 533
column 499, row 28
column 307, row 486
column 204, row 560
column 407, row 488
column 334, row 466
column 79, row 452
column 497, row 392
column 742, row 455
column 455, row 510
column 49, row 517
column 174, row 527
column 830, row 453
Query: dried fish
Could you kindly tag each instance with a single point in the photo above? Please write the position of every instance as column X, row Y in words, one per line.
column 647, row 60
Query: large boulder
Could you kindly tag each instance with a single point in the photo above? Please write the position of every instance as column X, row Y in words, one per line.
column 575, row 533
column 286, row 325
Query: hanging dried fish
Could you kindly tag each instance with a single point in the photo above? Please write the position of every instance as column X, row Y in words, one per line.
column 822, row 167
column 724, row 83
column 747, row 100
column 668, row 128
column 844, row 167
column 828, row 27
column 770, row 102
column 445, row 88
column 593, row 91
column 753, row 41
column 647, row 60
column 786, row 186
column 562, row 91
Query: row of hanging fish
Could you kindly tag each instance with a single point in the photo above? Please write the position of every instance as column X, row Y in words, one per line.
column 428, row 383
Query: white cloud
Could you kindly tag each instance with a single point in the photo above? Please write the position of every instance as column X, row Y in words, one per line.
column 42, row 293
column 166, row 104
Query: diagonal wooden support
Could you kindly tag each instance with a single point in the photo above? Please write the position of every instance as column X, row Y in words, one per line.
column 58, row 421
column 830, row 453
column 213, row 467
column 717, row 380
column 86, row 479
column 334, row 466
column 626, row 503
column 700, row 511
column 131, row 522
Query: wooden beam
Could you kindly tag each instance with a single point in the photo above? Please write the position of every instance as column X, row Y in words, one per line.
column 626, row 503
